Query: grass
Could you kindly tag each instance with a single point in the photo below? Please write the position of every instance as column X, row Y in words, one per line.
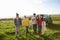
column 7, row 32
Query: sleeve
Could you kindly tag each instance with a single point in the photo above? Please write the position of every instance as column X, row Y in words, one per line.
column 15, row 21
column 23, row 22
column 31, row 19
column 20, row 20
column 28, row 21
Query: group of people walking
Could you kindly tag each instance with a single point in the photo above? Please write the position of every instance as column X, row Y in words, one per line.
column 37, row 23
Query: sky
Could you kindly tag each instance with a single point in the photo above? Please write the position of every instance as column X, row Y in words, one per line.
column 9, row 8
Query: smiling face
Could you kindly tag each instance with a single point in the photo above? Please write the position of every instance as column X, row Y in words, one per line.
column 40, row 16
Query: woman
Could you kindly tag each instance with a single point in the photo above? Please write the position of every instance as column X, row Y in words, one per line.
column 43, row 26
column 39, row 21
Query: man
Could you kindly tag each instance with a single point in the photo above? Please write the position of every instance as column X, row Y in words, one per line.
column 18, row 23
column 34, row 22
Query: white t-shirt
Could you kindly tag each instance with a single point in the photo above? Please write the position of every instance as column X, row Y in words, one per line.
column 33, row 20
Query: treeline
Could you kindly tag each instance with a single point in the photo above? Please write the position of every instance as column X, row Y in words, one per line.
column 53, row 17
column 6, row 19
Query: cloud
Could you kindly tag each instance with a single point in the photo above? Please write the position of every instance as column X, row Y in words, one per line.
column 25, row 7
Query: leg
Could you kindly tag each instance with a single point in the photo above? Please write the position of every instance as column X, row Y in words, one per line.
column 26, row 30
column 16, row 31
column 39, row 30
column 34, row 27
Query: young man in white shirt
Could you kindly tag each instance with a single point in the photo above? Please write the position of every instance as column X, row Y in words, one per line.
column 34, row 22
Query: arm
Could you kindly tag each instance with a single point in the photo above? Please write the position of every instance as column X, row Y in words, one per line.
column 31, row 19
column 20, row 20
column 15, row 21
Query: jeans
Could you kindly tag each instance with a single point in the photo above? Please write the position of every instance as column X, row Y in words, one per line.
column 17, row 30
column 39, row 28
column 35, row 27
column 27, row 29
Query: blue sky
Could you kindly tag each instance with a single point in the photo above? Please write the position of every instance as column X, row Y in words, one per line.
column 8, row 8
column 53, row 4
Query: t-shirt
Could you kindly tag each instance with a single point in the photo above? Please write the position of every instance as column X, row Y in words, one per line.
column 33, row 20
column 39, row 22
column 26, row 22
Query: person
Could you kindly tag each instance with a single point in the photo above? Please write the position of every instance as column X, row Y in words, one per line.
column 34, row 22
column 26, row 23
column 37, row 17
column 39, row 22
column 18, row 23
column 43, row 26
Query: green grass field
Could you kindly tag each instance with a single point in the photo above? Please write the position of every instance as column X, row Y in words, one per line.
column 7, row 32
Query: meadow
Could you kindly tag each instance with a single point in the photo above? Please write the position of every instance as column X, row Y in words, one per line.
column 7, row 32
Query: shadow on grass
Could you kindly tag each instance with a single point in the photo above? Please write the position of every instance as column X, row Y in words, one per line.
column 10, row 33
column 48, row 37
column 2, row 36
column 31, row 36
column 21, row 38
column 54, row 36
column 54, row 27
